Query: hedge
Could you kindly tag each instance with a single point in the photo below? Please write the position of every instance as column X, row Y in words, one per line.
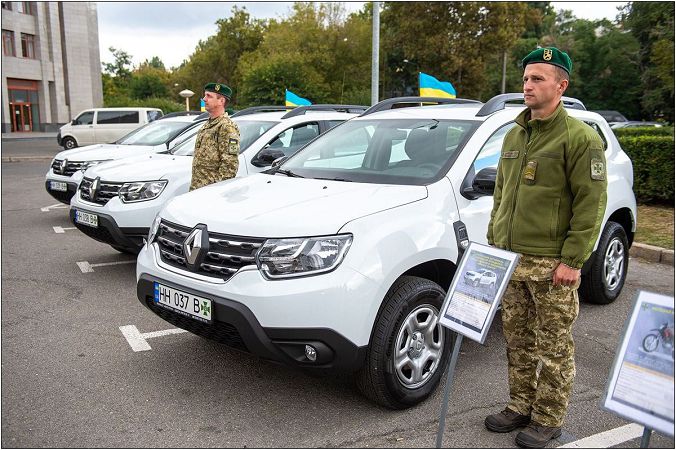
column 165, row 105
column 643, row 131
column 653, row 161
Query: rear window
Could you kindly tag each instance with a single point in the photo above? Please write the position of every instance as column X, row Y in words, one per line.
column 153, row 115
column 112, row 117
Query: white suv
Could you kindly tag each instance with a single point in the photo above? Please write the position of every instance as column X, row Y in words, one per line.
column 340, row 258
column 117, row 201
column 65, row 171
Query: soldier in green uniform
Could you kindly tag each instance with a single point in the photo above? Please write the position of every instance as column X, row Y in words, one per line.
column 217, row 143
column 549, row 202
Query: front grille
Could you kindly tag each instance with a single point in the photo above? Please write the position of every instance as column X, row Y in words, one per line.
column 104, row 191
column 70, row 169
column 226, row 254
column 222, row 332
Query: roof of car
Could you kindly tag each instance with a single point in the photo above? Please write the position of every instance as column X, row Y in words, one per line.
column 278, row 115
column 185, row 119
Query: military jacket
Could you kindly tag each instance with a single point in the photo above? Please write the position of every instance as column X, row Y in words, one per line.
column 216, row 152
column 550, row 192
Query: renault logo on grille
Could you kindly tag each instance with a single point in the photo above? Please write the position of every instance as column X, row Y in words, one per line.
column 62, row 166
column 93, row 188
column 195, row 246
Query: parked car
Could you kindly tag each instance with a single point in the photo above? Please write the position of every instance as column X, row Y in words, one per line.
column 66, row 169
column 611, row 116
column 635, row 124
column 130, row 192
column 340, row 257
column 103, row 125
column 481, row 277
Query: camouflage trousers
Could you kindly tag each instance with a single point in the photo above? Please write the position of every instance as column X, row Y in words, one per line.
column 537, row 322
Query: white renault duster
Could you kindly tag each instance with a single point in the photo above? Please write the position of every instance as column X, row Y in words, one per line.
column 67, row 167
column 340, row 258
column 117, row 201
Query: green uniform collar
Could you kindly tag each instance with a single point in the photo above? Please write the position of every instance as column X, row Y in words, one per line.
column 524, row 120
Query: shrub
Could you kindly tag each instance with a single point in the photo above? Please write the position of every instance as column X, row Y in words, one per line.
column 653, row 161
column 644, row 131
column 165, row 105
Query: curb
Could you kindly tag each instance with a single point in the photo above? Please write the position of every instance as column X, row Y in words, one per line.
column 26, row 158
column 652, row 253
column 32, row 138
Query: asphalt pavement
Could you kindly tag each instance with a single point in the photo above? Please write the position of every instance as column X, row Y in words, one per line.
column 71, row 378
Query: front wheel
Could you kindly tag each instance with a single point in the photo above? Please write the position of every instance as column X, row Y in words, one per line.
column 604, row 282
column 69, row 143
column 409, row 348
column 650, row 342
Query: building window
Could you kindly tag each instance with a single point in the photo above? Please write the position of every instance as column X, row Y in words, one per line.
column 26, row 8
column 27, row 45
column 7, row 6
column 8, row 43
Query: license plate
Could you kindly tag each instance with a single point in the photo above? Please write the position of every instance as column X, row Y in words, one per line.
column 183, row 302
column 58, row 186
column 91, row 220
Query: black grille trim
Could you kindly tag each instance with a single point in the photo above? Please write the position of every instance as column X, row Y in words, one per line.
column 227, row 254
column 70, row 169
column 104, row 193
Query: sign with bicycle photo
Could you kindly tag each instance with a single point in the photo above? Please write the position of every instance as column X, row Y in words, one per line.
column 641, row 383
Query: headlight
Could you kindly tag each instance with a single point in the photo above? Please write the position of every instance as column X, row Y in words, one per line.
column 141, row 191
column 87, row 164
column 153, row 229
column 297, row 257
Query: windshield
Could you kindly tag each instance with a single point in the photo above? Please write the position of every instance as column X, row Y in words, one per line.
column 249, row 131
column 386, row 151
column 155, row 133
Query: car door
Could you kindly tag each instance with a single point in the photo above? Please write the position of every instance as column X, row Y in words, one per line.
column 82, row 128
column 284, row 144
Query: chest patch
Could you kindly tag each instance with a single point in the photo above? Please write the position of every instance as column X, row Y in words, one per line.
column 598, row 169
column 511, row 155
column 529, row 172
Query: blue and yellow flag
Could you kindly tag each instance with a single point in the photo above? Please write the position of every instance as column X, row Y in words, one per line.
column 431, row 87
column 294, row 100
column 202, row 106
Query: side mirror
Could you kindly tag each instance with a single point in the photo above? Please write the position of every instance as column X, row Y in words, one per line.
column 73, row 122
column 279, row 161
column 266, row 157
column 484, row 181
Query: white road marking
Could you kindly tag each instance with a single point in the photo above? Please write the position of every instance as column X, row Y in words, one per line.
column 63, row 230
column 138, row 341
column 608, row 438
column 85, row 267
column 55, row 206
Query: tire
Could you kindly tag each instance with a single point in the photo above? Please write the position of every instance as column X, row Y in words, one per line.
column 69, row 143
column 650, row 342
column 406, row 318
column 605, row 279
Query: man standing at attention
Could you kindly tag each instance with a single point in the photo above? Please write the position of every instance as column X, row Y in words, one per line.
column 549, row 201
column 217, row 143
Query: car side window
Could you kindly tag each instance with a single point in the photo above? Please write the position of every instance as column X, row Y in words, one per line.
column 489, row 155
column 333, row 123
column 86, row 118
column 596, row 128
column 153, row 115
column 292, row 139
column 113, row 117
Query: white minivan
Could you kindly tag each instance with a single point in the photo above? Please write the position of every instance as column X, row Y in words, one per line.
column 104, row 125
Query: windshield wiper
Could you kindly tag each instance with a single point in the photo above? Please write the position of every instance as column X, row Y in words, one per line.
column 288, row 173
column 333, row 179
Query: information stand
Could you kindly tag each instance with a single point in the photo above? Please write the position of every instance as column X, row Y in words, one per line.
column 479, row 283
column 640, row 386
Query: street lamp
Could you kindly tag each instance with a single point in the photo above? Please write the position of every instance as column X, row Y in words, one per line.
column 186, row 93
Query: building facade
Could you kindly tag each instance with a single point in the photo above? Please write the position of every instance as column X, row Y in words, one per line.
column 51, row 68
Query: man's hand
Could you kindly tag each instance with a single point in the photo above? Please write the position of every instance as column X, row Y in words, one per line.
column 565, row 275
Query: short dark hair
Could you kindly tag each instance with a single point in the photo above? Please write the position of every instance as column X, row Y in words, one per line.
column 561, row 74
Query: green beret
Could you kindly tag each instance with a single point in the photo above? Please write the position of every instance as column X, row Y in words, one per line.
column 549, row 55
column 219, row 88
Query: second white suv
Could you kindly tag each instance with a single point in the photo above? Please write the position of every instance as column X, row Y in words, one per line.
column 117, row 201
column 340, row 259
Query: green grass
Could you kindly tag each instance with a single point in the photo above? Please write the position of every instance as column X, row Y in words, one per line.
column 655, row 226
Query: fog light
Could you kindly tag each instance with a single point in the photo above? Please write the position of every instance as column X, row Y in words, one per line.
column 310, row 353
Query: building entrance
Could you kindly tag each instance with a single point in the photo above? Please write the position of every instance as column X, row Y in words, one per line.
column 22, row 118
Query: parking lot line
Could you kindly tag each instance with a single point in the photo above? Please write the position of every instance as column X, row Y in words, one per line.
column 62, row 230
column 138, row 341
column 85, row 267
column 608, row 438
column 54, row 206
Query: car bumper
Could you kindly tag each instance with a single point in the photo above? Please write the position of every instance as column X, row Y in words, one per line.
column 273, row 319
column 62, row 196
column 108, row 231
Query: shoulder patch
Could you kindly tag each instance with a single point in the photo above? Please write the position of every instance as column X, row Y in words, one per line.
column 598, row 170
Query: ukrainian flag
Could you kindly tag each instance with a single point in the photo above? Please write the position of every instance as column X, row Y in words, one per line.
column 431, row 87
column 202, row 106
column 294, row 100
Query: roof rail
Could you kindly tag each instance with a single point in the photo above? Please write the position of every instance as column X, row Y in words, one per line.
column 258, row 109
column 498, row 102
column 300, row 110
column 391, row 103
